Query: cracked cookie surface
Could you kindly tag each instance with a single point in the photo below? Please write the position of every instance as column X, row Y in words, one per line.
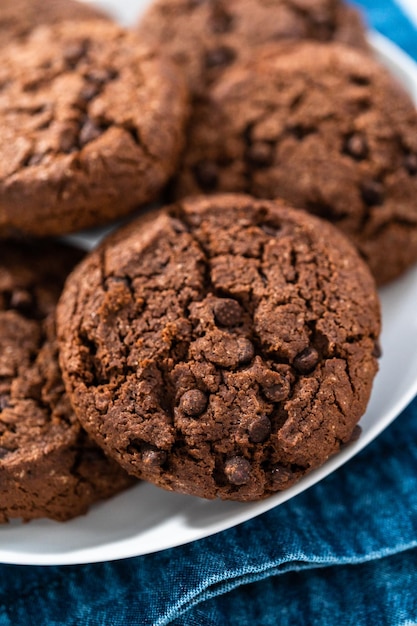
column 91, row 125
column 327, row 129
column 204, row 37
column 222, row 348
column 49, row 467
column 19, row 17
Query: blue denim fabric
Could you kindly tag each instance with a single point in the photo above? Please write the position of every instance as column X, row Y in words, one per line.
column 386, row 17
column 344, row 552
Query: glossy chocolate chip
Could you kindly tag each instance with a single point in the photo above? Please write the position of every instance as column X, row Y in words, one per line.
column 89, row 91
column 220, row 21
column 271, row 231
column 280, row 475
column 207, row 175
column 237, row 470
column 277, row 392
column 259, row 429
column 152, row 458
column 356, row 433
column 227, row 312
column 377, row 351
column 372, row 192
column 21, row 300
column 101, row 75
column 89, row 132
column 74, row 51
column 219, row 57
column 193, row 402
column 260, row 154
column 245, row 350
column 68, row 138
column 36, row 159
column 410, row 163
column 3, row 452
column 306, row 361
column 356, row 146
column 4, row 402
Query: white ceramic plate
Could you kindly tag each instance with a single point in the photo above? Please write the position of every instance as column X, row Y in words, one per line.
column 146, row 519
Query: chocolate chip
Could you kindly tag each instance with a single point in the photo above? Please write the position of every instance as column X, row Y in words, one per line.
column 362, row 81
column 245, row 350
column 372, row 192
column 306, row 361
column 221, row 22
column 68, row 138
column 323, row 32
column 4, row 402
column 102, row 75
column 219, row 57
column 207, row 175
column 277, row 392
column 123, row 280
column 193, row 402
column 152, row 458
column 260, row 154
column 356, row 433
column 356, row 146
column 280, row 476
column 3, row 452
column 89, row 132
column 89, row 91
column 299, row 131
column 259, row 429
column 410, row 164
column 237, row 470
column 227, row 312
column 21, row 300
column 178, row 226
column 35, row 159
column 271, row 231
column 74, row 51
column 377, row 351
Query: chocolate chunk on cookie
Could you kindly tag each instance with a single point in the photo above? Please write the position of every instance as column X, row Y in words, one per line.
column 327, row 129
column 91, row 125
column 19, row 17
column 49, row 467
column 223, row 348
column 205, row 38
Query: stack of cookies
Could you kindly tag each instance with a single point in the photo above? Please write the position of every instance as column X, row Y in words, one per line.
column 225, row 345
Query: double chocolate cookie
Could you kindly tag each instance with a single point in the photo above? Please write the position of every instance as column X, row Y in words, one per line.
column 204, row 37
column 19, row 17
column 327, row 129
column 49, row 467
column 91, row 125
column 222, row 348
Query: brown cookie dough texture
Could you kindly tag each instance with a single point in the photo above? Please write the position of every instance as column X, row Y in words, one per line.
column 91, row 124
column 49, row 467
column 204, row 37
column 327, row 129
column 19, row 17
column 223, row 348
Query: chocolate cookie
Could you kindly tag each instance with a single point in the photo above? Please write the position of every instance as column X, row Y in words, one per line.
column 19, row 17
column 205, row 37
column 91, row 124
column 223, row 348
column 49, row 467
column 327, row 129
